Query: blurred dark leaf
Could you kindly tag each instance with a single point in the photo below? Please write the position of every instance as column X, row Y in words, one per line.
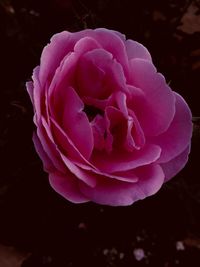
column 10, row 257
column 190, row 22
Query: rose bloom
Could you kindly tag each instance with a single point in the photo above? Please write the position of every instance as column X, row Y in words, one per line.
column 109, row 128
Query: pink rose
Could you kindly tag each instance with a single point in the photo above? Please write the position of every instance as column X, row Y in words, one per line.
column 109, row 128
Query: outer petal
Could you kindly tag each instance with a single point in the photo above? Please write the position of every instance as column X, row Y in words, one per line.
column 117, row 193
column 30, row 88
column 156, row 109
column 67, row 186
column 47, row 162
column 38, row 93
column 133, row 48
column 178, row 135
column 45, row 136
column 137, row 50
column 172, row 167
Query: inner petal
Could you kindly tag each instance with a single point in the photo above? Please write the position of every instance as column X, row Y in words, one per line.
column 125, row 130
column 124, row 160
column 92, row 111
column 135, row 136
column 116, row 125
column 74, row 121
column 99, row 74
column 99, row 129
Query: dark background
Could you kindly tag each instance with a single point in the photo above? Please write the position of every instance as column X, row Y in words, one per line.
column 38, row 228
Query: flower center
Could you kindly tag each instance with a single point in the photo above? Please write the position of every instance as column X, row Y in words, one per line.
column 92, row 111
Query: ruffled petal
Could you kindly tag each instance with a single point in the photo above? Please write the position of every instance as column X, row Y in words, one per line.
column 118, row 193
column 154, row 109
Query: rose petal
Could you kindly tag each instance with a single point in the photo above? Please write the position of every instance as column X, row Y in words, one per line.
column 113, row 44
column 67, row 109
column 64, row 77
column 90, row 77
column 47, row 142
column 66, row 146
column 116, row 193
column 127, row 176
column 116, row 127
column 156, row 108
column 76, row 124
column 135, row 136
column 82, row 175
column 60, row 45
column 38, row 93
column 30, row 88
column 98, row 128
column 95, row 102
column 123, row 161
column 178, row 135
column 172, row 167
column 86, row 44
column 99, row 74
column 65, row 73
column 67, row 186
column 135, row 131
column 121, row 103
column 137, row 50
column 47, row 163
column 133, row 48
column 120, row 35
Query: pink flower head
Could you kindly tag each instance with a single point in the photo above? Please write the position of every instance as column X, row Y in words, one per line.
column 109, row 128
